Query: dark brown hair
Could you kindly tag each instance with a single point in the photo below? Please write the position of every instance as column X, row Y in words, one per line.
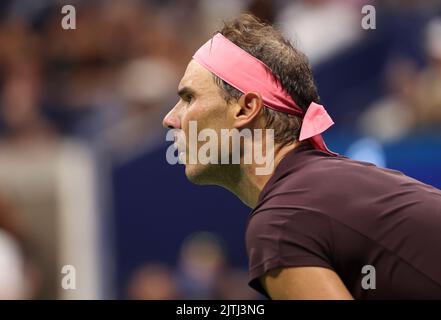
column 289, row 65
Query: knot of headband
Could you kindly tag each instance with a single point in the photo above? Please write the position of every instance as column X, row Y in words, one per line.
column 247, row 73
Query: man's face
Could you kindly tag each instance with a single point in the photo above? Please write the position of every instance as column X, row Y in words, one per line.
column 200, row 100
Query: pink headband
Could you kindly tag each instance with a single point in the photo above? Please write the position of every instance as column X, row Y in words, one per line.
column 247, row 73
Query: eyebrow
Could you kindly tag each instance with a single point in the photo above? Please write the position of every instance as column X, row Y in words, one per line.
column 184, row 91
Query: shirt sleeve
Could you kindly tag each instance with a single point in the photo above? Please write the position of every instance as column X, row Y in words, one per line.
column 277, row 238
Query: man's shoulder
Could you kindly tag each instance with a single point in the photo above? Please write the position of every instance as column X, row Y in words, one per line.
column 316, row 180
column 355, row 194
column 333, row 182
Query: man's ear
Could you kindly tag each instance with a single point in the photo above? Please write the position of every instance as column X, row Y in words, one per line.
column 248, row 108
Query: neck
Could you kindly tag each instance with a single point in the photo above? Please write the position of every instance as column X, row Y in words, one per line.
column 249, row 185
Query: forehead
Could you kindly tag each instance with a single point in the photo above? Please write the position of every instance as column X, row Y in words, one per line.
column 197, row 78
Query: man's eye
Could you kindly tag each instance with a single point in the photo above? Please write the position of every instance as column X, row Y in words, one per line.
column 189, row 98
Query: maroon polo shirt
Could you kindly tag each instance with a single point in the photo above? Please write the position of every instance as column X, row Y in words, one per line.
column 337, row 213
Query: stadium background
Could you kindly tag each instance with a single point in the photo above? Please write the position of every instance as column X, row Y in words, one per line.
column 83, row 175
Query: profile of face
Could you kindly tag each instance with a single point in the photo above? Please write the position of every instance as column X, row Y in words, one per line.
column 202, row 103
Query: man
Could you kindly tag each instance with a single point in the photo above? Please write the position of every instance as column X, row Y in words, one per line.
column 322, row 226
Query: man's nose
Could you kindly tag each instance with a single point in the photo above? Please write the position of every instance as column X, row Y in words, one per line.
column 171, row 121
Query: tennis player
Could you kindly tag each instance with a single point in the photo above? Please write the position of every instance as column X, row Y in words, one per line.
column 322, row 226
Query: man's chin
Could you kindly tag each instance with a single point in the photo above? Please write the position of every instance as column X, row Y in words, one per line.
column 203, row 174
column 195, row 174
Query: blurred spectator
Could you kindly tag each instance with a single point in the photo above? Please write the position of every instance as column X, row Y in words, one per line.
column 414, row 97
column 144, row 86
column 19, row 275
column 202, row 263
column 393, row 116
column 152, row 282
column 321, row 28
column 428, row 86
column 205, row 272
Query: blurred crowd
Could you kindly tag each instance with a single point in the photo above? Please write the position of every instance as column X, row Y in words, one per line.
column 203, row 272
column 109, row 80
column 106, row 85
column 413, row 98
